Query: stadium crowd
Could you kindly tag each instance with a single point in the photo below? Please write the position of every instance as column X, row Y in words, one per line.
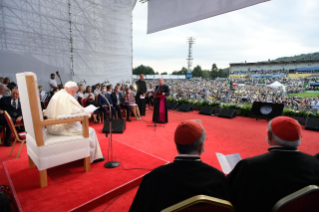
column 245, row 91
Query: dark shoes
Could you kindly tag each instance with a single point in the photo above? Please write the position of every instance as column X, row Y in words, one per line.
column 128, row 119
column 7, row 143
column 99, row 160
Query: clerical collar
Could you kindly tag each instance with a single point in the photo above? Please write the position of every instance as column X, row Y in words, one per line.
column 187, row 157
column 282, row 149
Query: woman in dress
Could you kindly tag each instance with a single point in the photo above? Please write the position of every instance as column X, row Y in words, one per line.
column 130, row 99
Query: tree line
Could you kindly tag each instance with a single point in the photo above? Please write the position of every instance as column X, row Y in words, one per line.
column 197, row 71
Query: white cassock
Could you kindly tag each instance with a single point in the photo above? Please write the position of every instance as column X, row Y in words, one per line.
column 63, row 104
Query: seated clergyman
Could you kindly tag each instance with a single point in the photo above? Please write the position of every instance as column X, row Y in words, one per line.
column 257, row 183
column 186, row 177
column 63, row 103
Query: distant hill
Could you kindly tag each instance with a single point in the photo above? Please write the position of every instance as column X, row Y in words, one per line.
column 314, row 56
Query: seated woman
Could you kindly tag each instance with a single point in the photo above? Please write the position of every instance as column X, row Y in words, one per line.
column 90, row 101
column 88, row 91
column 130, row 100
column 80, row 93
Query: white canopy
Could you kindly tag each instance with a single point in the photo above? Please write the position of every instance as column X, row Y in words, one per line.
column 277, row 84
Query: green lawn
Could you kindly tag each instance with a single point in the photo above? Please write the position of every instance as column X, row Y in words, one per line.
column 307, row 94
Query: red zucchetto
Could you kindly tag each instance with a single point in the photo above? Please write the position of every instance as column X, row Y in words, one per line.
column 187, row 132
column 286, row 128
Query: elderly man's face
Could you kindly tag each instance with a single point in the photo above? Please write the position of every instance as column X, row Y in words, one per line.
column 141, row 77
column 72, row 91
column 15, row 94
column 161, row 81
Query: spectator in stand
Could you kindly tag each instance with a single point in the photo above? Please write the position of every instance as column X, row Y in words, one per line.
column 130, row 100
column 13, row 107
column 257, row 183
column 186, row 177
column 119, row 103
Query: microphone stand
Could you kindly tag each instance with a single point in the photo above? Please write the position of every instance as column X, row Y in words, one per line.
column 110, row 163
column 155, row 124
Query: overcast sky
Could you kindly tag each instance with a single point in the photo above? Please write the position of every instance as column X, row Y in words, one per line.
column 265, row 31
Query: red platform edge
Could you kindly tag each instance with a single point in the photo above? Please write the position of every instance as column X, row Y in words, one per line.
column 98, row 200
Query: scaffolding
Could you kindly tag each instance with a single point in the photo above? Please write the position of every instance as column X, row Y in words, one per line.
column 82, row 39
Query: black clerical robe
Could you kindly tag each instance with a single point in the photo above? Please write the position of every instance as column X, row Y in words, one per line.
column 160, row 105
column 178, row 181
column 257, row 183
column 141, row 89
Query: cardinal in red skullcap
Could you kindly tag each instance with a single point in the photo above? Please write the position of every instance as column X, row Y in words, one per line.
column 186, row 177
column 258, row 183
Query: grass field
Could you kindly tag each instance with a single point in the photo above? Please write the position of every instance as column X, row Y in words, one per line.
column 306, row 94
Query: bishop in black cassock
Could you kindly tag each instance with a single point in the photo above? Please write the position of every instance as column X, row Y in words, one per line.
column 186, row 177
column 257, row 183
column 141, row 91
column 160, row 104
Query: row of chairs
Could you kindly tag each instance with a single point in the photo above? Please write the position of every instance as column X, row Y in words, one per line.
column 18, row 136
column 305, row 199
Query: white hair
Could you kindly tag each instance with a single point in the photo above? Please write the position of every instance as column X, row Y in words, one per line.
column 281, row 141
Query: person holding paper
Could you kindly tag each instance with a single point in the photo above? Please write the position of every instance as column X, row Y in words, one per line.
column 257, row 183
column 186, row 177
column 90, row 101
column 140, row 94
column 63, row 103
column 160, row 105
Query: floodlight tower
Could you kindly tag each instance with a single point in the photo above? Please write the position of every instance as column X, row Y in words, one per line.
column 190, row 42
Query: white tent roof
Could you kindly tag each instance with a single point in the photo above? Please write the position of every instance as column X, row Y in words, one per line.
column 277, row 84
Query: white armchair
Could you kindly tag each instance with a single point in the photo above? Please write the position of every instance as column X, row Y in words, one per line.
column 46, row 150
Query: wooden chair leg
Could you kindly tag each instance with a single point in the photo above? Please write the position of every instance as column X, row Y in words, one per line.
column 31, row 163
column 87, row 165
column 20, row 148
column 14, row 143
column 43, row 178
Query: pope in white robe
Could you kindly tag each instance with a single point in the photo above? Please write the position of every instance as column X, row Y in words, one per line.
column 63, row 103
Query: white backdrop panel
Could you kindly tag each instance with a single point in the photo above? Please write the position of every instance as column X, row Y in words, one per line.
column 165, row 14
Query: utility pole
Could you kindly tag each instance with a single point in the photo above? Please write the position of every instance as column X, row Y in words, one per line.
column 190, row 42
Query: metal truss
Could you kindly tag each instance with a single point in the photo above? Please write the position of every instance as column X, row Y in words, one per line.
column 95, row 34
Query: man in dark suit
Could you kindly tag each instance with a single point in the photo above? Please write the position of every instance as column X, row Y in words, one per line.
column 140, row 94
column 257, row 183
column 317, row 156
column 104, row 106
column 117, row 99
column 186, row 177
column 12, row 105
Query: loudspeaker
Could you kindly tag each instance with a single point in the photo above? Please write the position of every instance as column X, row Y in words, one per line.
column 312, row 124
column 185, row 107
column 118, row 126
column 173, row 105
column 227, row 113
column 206, row 110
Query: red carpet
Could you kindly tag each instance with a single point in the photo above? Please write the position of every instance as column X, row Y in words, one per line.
column 245, row 136
column 71, row 187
